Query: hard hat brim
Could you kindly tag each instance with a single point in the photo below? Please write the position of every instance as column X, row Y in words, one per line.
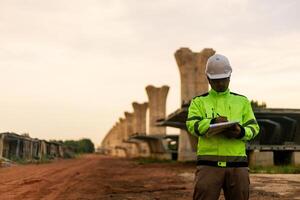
column 218, row 76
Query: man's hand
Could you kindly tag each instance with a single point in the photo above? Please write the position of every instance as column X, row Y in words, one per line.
column 233, row 132
column 220, row 119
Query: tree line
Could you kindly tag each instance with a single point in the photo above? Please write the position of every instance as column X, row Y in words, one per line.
column 84, row 145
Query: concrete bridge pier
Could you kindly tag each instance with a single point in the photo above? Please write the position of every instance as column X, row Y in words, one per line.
column 121, row 147
column 113, row 140
column 118, row 137
column 157, row 110
column 1, row 145
column 193, row 82
column 132, row 148
column 140, row 111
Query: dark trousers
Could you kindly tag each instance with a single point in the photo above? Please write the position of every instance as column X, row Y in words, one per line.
column 210, row 180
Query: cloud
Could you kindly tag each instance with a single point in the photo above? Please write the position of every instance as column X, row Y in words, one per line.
column 60, row 55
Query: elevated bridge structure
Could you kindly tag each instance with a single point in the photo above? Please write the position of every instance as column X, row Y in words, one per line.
column 277, row 143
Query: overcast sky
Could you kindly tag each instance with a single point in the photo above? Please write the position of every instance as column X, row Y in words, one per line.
column 70, row 68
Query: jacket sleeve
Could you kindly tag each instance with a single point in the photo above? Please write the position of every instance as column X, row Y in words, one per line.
column 250, row 124
column 196, row 122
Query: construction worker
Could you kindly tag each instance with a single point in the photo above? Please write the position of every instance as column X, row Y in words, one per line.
column 221, row 158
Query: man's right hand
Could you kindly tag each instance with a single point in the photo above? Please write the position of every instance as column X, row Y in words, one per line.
column 221, row 119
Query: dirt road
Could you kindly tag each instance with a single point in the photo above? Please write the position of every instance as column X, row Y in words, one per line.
column 101, row 177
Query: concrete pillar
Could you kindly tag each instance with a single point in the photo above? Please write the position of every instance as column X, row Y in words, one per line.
column 129, row 120
column 61, row 151
column 18, row 149
column 113, row 142
column 295, row 158
column 140, row 110
column 261, row 158
column 31, row 149
column 109, row 142
column 119, row 138
column 105, row 140
column 1, row 144
column 157, row 108
column 40, row 154
column 122, row 129
column 132, row 149
column 192, row 72
column 43, row 148
column 117, row 134
column 193, row 82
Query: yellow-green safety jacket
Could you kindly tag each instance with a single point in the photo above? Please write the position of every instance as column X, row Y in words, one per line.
column 220, row 149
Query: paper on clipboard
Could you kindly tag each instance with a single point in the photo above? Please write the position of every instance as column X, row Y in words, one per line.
column 219, row 127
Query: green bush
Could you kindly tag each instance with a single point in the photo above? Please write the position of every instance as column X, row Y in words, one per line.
column 283, row 169
column 80, row 146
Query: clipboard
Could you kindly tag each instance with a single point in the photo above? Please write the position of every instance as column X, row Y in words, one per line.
column 219, row 127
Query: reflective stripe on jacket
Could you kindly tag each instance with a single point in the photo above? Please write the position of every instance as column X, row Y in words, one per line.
column 235, row 107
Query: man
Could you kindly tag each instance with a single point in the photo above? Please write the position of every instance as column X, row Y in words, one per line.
column 221, row 158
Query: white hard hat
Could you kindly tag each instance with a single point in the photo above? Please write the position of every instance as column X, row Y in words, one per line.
column 218, row 67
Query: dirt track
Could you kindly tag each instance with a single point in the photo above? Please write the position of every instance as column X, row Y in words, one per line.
column 101, row 177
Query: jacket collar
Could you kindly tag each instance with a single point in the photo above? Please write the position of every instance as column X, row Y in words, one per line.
column 215, row 93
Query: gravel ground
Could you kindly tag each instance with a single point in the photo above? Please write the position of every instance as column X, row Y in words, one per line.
column 103, row 177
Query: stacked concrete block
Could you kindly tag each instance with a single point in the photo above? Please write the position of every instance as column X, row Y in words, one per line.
column 27, row 149
column 193, row 82
column 157, row 108
column 261, row 158
column 43, row 149
column 14, row 146
column 295, row 158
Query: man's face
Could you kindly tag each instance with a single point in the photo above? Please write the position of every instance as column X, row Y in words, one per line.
column 219, row 85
